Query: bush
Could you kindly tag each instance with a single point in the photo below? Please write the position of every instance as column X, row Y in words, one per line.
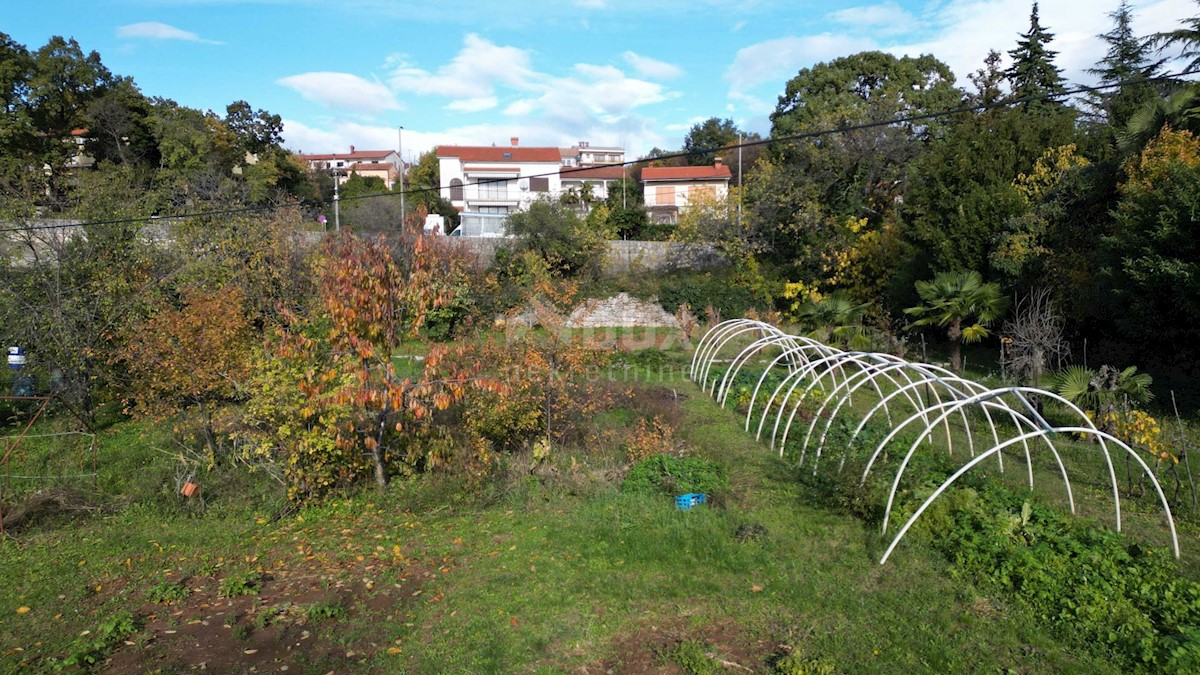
column 699, row 290
column 675, row 476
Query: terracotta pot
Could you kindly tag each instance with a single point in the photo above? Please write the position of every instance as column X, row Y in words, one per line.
column 189, row 489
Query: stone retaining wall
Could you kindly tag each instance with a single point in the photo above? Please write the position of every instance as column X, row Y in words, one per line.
column 624, row 257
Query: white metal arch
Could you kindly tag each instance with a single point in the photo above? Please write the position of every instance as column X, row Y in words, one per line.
column 744, row 357
column 717, row 345
column 1012, row 441
column 865, row 362
column 716, row 337
column 802, row 350
column 832, row 362
column 884, row 368
column 942, row 382
column 796, row 375
column 995, row 394
column 829, row 361
column 950, row 409
column 713, row 334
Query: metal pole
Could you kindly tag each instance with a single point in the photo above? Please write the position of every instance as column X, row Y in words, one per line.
column 337, row 216
column 739, row 181
column 400, row 140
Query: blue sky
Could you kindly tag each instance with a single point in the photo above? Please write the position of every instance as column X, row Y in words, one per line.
column 636, row 73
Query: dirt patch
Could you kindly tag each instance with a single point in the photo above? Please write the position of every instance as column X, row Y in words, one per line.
column 290, row 625
column 654, row 647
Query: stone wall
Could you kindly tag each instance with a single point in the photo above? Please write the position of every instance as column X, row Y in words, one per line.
column 624, row 257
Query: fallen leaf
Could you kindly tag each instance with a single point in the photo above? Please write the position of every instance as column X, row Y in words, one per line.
column 250, row 651
column 22, row 610
column 756, row 588
column 394, row 650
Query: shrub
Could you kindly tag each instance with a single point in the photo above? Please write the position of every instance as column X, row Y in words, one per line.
column 676, row 475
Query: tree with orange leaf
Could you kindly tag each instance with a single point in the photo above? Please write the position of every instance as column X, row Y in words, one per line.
column 356, row 394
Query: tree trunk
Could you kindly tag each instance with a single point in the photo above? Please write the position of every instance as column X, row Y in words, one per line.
column 380, row 474
column 377, row 451
column 955, row 335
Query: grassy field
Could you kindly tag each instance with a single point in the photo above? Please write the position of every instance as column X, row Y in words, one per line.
column 553, row 569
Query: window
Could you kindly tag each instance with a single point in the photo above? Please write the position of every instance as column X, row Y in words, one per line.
column 539, row 184
column 456, row 190
column 493, row 188
column 664, row 196
column 502, row 210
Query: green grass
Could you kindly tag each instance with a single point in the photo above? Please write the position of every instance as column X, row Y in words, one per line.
column 530, row 576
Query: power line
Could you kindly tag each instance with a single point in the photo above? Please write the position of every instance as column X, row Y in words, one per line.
column 919, row 117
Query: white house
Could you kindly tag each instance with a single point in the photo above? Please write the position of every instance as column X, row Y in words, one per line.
column 668, row 189
column 584, row 155
column 385, row 164
column 600, row 178
column 498, row 180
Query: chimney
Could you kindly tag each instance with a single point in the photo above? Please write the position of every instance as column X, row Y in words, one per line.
column 352, row 149
column 514, row 140
column 717, row 161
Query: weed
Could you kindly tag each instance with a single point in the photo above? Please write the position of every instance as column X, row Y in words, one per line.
column 166, row 591
column 95, row 645
column 797, row 663
column 242, row 631
column 236, row 585
column 692, row 656
column 321, row 611
column 266, row 615
column 676, row 475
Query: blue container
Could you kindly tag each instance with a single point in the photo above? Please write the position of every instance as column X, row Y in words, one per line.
column 686, row 502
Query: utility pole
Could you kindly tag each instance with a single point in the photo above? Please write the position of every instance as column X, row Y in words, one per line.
column 400, row 140
column 337, row 216
column 739, row 181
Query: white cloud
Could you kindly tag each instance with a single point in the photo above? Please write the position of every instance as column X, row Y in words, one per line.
column 965, row 30
column 153, row 30
column 776, row 60
column 884, row 18
column 958, row 32
column 342, row 90
column 652, row 68
column 470, row 105
column 475, row 72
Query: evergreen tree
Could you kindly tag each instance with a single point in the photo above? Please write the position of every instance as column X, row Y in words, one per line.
column 1187, row 37
column 1128, row 58
column 1033, row 73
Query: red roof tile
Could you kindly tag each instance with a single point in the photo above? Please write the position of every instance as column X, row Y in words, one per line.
column 468, row 153
column 359, row 154
column 716, row 172
column 592, row 173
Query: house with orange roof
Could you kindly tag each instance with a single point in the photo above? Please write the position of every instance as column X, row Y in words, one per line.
column 384, row 164
column 498, row 180
column 667, row 190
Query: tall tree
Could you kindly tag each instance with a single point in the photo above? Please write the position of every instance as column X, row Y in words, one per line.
column 705, row 138
column 257, row 130
column 1127, row 58
column 1033, row 73
column 1187, row 38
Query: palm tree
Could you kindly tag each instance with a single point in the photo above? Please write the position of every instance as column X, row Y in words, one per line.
column 1180, row 110
column 837, row 316
column 1105, row 391
column 962, row 304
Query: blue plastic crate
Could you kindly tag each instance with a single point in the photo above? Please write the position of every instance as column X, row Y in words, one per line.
column 686, row 502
